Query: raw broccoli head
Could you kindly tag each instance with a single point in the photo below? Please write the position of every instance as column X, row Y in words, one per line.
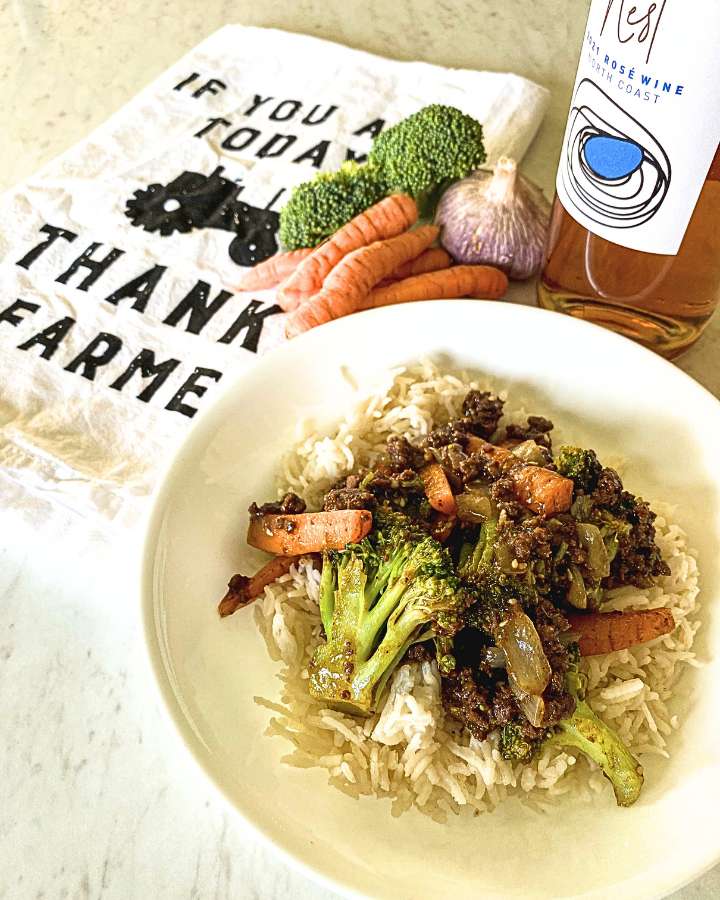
column 318, row 208
column 435, row 145
column 376, row 599
column 581, row 465
column 515, row 746
column 584, row 731
column 418, row 156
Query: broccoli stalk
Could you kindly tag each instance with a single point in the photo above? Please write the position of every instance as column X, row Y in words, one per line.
column 479, row 559
column 584, row 731
column 376, row 599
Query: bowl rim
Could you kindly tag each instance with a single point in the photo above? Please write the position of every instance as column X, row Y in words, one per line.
column 151, row 523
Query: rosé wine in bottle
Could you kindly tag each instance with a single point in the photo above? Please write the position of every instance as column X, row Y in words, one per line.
column 634, row 238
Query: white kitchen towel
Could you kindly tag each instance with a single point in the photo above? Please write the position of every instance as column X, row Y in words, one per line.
column 118, row 316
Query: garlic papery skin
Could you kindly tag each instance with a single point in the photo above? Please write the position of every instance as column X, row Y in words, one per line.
column 495, row 218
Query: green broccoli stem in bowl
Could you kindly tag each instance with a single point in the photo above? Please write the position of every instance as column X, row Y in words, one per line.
column 584, row 731
column 376, row 598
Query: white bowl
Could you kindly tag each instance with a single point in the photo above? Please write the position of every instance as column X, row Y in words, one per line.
column 606, row 390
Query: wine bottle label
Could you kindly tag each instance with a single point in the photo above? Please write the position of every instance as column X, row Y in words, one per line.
column 644, row 120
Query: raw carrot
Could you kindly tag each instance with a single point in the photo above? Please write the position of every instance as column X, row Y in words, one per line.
column 352, row 279
column 294, row 535
column 271, row 272
column 289, row 299
column 243, row 590
column 541, row 490
column 386, row 219
column 438, row 490
column 607, row 632
column 430, row 260
column 457, row 281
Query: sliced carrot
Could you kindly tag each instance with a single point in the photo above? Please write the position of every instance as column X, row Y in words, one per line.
column 477, row 445
column 438, row 490
column 484, row 282
column 243, row 590
column 386, row 219
column 607, row 632
column 294, row 535
column 271, row 272
column 541, row 490
column 353, row 278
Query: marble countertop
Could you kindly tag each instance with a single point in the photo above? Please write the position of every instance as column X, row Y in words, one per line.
column 96, row 799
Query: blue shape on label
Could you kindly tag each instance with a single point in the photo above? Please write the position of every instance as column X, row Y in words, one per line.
column 611, row 157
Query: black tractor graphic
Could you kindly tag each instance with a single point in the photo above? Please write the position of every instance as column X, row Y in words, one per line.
column 193, row 200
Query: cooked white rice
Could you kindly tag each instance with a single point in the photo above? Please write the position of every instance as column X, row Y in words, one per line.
column 410, row 752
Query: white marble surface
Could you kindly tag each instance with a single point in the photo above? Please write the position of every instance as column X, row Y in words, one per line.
column 96, row 797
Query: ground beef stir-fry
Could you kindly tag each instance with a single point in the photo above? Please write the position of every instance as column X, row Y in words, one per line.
column 481, row 414
column 402, row 456
column 509, row 538
column 349, row 498
column 290, row 504
column 537, row 429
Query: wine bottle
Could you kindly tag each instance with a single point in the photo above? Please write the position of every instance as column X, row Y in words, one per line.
column 634, row 240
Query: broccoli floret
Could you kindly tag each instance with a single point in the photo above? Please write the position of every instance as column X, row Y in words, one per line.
column 406, row 494
column 423, row 152
column 318, row 208
column 515, row 746
column 581, row 465
column 612, row 528
column 493, row 595
column 377, row 598
column 584, row 731
column 493, row 590
column 626, row 523
column 418, row 156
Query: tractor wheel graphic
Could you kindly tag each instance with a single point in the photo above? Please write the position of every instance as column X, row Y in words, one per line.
column 193, row 200
column 156, row 209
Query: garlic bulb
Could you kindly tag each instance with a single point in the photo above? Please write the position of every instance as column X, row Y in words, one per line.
column 495, row 218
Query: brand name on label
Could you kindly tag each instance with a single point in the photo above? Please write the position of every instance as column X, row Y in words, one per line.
column 631, row 23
